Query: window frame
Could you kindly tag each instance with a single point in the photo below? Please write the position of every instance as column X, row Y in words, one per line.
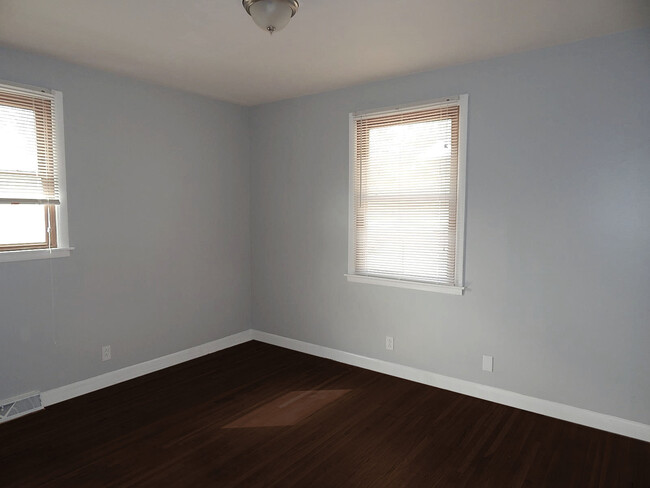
column 458, row 287
column 50, row 234
column 55, row 216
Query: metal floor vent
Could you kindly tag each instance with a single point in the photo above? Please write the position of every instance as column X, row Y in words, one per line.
column 22, row 405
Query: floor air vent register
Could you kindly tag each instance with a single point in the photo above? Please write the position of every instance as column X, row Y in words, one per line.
column 19, row 406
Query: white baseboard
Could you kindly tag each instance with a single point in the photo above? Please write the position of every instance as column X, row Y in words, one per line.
column 560, row 411
column 73, row 390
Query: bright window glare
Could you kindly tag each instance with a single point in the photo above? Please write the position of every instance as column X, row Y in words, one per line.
column 404, row 177
column 401, row 162
column 22, row 224
column 18, row 140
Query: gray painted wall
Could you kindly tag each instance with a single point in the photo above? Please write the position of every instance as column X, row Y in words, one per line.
column 558, row 227
column 159, row 186
column 158, row 193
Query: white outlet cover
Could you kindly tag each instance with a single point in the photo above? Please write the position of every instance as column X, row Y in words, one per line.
column 106, row 353
column 389, row 343
column 488, row 363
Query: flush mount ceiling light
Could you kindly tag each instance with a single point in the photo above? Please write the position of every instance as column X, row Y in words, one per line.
column 271, row 15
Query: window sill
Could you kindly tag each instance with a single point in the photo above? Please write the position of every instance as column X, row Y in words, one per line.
column 451, row 290
column 31, row 254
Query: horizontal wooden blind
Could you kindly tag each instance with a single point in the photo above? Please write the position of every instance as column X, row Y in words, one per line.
column 28, row 156
column 405, row 194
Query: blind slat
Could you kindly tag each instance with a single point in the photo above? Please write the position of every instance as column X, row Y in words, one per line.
column 405, row 194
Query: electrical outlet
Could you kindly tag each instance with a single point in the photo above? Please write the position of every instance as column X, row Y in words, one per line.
column 389, row 343
column 106, row 353
column 488, row 363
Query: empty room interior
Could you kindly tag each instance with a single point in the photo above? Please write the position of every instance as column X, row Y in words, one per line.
column 325, row 243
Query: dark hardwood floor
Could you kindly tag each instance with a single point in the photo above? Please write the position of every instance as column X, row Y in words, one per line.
column 222, row 420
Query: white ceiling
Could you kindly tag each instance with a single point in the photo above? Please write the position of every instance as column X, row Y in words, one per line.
column 213, row 48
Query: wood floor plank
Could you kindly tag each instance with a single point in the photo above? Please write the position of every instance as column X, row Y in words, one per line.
column 168, row 429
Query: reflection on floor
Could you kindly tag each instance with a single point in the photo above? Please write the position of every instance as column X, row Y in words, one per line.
column 288, row 409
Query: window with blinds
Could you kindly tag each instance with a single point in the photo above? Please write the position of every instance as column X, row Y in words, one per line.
column 30, row 189
column 407, row 200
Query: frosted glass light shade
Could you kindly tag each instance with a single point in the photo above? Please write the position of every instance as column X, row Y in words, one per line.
column 272, row 15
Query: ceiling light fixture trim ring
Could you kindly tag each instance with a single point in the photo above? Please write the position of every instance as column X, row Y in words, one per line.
column 293, row 4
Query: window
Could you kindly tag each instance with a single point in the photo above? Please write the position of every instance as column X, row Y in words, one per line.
column 32, row 212
column 407, row 196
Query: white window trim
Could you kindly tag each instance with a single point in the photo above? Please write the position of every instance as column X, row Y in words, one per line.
column 63, row 240
column 32, row 254
column 458, row 288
